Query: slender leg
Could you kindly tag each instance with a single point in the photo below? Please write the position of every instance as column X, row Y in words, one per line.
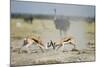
column 24, row 44
column 41, row 48
column 27, row 46
column 59, row 47
column 73, row 44
column 54, row 46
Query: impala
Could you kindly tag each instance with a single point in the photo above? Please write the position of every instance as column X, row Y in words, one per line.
column 33, row 40
column 67, row 40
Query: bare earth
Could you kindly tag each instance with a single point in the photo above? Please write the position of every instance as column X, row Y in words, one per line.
column 50, row 56
column 34, row 56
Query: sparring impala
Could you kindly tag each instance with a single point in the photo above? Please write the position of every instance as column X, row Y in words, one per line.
column 33, row 40
column 67, row 40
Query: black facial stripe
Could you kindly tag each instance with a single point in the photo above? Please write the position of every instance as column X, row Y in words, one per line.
column 67, row 40
column 35, row 40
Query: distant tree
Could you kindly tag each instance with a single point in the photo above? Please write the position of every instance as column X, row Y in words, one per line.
column 90, row 20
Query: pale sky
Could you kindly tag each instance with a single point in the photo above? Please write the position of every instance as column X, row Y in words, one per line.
column 48, row 8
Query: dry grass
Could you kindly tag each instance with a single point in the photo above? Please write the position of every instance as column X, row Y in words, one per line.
column 50, row 56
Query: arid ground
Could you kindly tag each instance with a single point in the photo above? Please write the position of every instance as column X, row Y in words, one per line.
column 50, row 56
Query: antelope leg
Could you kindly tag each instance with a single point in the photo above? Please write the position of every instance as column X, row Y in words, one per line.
column 59, row 47
column 73, row 44
column 26, row 46
column 41, row 48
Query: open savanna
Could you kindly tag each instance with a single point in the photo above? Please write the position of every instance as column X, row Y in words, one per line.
column 21, row 28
